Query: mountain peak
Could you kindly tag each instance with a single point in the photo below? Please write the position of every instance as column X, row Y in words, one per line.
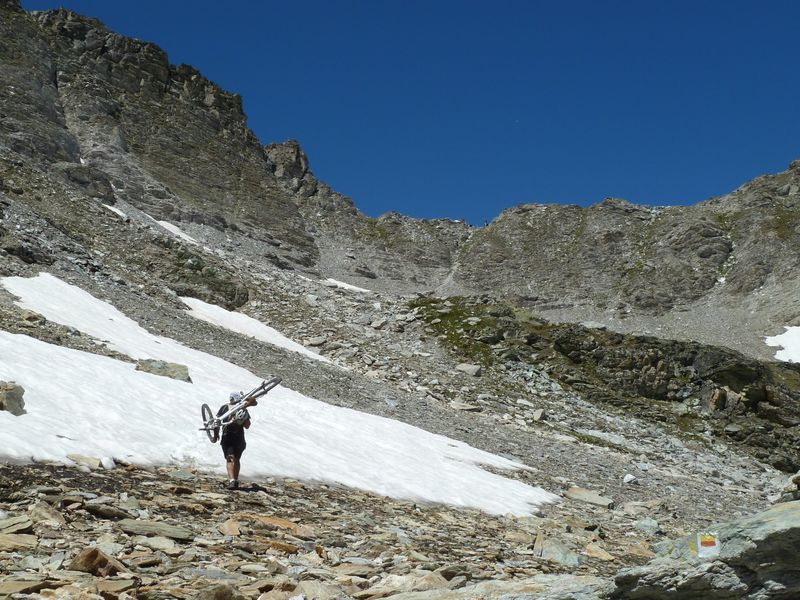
column 289, row 159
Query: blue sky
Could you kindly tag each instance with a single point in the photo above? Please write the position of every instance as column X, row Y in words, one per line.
column 460, row 109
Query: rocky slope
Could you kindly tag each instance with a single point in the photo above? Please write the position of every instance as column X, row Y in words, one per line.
column 105, row 148
column 130, row 533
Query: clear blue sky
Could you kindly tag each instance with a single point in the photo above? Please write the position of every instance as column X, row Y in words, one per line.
column 460, row 109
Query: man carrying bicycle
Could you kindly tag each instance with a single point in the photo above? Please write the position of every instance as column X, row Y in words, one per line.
column 233, row 442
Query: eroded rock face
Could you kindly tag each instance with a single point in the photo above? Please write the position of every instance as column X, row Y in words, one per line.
column 11, row 398
column 757, row 559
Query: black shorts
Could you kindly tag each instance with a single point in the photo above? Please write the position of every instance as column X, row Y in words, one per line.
column 232, row 447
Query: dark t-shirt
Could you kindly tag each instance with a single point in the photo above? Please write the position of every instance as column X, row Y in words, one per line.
column 234, row 431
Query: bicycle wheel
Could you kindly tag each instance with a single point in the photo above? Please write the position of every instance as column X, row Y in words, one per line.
column 208, row 416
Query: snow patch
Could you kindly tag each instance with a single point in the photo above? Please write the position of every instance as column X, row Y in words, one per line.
column 241, row 323
column 115, row 210
column 789, row 340
column 345, row 286
column 177, row 231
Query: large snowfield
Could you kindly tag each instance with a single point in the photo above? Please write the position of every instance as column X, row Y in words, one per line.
column 82, row 403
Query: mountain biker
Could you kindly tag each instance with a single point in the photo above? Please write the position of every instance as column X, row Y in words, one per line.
column 232, row 442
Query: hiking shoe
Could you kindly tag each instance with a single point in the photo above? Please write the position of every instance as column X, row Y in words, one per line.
column 233, row 484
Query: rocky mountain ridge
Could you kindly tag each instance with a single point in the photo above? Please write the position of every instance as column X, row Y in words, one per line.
column 112, row 117
column 139, row 182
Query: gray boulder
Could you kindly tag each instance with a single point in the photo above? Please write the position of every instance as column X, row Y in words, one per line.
column 757, row 560
column 165, row 369
column 472, row 370
column 11, row 398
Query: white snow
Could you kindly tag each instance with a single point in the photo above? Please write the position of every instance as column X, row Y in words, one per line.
column 241, row 323
column 346, row 286
column 83, row 403
column 174, row 229
column 115, row 210
column 790, row 342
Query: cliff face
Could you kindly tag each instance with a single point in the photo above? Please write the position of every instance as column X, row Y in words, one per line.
column 109, row 117
column 170, row 142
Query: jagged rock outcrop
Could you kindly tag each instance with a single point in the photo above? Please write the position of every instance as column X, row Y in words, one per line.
column 757, row 559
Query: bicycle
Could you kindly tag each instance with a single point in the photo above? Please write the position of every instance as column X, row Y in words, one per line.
column 212, row 424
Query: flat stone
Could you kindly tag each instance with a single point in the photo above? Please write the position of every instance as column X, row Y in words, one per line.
column 143, row 561
column 18, row 524
column 298, row 530
column 595, row 551
column 56, row 560
column 284, row 547
column 25, row 586
column 164, row 544
column 31, row 563
column 554, row 550
column 156, row 528
column 379, row 323
column 105, row 511
column 589, row 496
column 42, row 512
column 230, row 527
column 110, row 548
column 114, row 586
column 354, row 570
column 10, row 542
column 253, row 568
column 317, row 590
column 182, row 475
column 463, row 406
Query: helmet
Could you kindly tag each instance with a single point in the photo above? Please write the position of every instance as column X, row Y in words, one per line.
column 235, row 397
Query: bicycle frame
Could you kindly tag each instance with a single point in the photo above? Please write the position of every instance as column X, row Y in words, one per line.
column 213, row 423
